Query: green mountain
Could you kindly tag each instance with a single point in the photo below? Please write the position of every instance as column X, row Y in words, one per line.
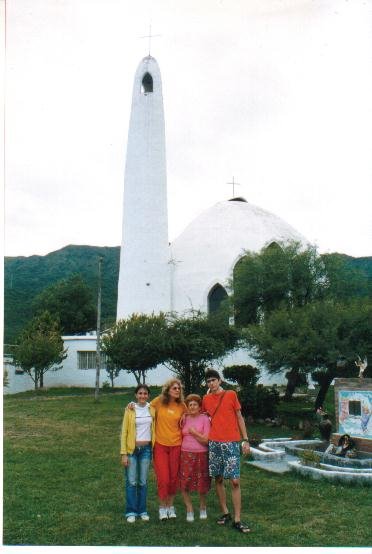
column 26, row 277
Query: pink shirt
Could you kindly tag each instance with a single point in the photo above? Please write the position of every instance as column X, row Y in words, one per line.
column 202, row 425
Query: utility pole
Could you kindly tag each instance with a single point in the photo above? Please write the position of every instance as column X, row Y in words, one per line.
column 98, row 344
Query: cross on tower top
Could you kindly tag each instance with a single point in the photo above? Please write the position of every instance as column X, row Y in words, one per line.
column 234, row 184
column 150, row 36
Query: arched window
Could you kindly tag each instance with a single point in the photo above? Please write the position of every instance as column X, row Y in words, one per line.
column 147, row 84
column 215, row 298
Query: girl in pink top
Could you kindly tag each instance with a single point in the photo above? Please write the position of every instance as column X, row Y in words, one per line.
column 194, row 474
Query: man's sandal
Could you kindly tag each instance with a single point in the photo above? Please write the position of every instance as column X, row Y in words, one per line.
column 240, row 526
column 222, row 520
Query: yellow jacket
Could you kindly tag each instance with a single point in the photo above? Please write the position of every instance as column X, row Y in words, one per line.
column 128, row 431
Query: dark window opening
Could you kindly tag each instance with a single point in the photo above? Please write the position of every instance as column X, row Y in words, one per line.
column 147, row 84
column 355, row 408
column 216, row 297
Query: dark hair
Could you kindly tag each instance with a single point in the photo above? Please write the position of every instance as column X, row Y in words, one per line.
column 212, row 373
column 192, row 397
column 341, row 441
column 165, row 397
column 143, row 386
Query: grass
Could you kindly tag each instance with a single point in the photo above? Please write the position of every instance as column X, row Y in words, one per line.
column 63, row 485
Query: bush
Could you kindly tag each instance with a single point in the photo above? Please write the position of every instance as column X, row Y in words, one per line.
column 246, row 376
column 266, row 402
column 256, row 400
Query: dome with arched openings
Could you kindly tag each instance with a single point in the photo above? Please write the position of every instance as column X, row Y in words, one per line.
column 205, row 253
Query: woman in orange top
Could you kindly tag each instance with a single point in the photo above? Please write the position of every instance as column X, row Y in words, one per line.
column 169, row 408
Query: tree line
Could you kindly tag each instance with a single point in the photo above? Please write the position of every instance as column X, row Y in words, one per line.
column 298, row 313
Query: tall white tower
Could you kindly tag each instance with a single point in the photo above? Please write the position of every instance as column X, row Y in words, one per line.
column 144, row 277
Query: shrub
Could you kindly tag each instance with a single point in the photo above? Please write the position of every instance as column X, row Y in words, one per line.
column 267, row 401
column 106, row 386
column 256, row 400
column 246, row 376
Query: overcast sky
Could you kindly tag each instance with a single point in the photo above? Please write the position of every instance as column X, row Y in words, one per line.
column 276, row 93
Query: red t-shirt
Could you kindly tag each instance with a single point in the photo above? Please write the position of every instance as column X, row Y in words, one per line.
column 224, row 424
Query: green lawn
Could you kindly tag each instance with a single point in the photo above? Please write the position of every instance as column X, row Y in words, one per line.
column 63, row 485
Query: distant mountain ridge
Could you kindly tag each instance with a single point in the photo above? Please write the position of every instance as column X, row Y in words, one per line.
column 26, row 277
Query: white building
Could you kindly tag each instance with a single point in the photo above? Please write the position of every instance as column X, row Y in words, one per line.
column 192, row 272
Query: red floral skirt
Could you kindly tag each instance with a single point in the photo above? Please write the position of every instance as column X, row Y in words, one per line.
column 194, row 472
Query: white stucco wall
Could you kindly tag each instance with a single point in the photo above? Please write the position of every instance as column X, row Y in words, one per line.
column 144, row 277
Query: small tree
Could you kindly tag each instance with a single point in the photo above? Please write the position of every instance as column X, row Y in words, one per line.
column 256, row 400
column 281, row 275
column 326, row 336
column 39, row 348
column 137, row 344
column 72, row 302
column 194, row 341
column 246, row 376
column 288, row 277
column 112, row 372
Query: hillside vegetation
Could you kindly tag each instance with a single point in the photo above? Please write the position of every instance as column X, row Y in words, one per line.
column 26, row 277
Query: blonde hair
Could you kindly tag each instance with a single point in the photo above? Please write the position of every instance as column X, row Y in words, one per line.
column 165, row 397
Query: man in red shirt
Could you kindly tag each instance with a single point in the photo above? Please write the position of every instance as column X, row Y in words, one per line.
column 227, row 428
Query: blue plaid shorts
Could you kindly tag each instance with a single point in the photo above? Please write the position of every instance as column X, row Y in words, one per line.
column 224, row 459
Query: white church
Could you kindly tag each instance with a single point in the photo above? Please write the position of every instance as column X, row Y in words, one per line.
column 190, row 273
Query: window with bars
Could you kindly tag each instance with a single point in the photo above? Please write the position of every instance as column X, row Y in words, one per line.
column 87, row 359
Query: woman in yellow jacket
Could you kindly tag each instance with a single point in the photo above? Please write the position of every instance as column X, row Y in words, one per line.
column 137, row 440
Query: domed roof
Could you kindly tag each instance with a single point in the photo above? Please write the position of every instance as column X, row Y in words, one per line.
column 207, row 250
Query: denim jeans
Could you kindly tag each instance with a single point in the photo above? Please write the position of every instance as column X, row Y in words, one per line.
column 136, row 480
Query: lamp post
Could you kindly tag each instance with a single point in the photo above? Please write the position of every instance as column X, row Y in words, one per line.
column 98, row 343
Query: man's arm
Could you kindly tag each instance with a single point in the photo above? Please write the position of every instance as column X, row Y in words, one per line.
column 243, row 432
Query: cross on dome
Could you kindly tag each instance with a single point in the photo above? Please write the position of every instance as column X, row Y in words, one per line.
column 234, row 184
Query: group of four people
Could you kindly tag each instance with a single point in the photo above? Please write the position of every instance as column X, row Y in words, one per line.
column 191, row 441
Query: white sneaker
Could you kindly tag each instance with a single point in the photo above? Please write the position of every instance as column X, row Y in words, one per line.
column 171, row 512
column 203, row 514
column 190, row 516
column 145, row 517
column 163, row 514
column 131, row 519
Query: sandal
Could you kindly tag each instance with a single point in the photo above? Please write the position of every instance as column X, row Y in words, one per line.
column 222, row 520
column 240, row 526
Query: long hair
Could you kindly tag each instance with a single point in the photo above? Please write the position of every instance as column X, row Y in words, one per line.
column 165, row 397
